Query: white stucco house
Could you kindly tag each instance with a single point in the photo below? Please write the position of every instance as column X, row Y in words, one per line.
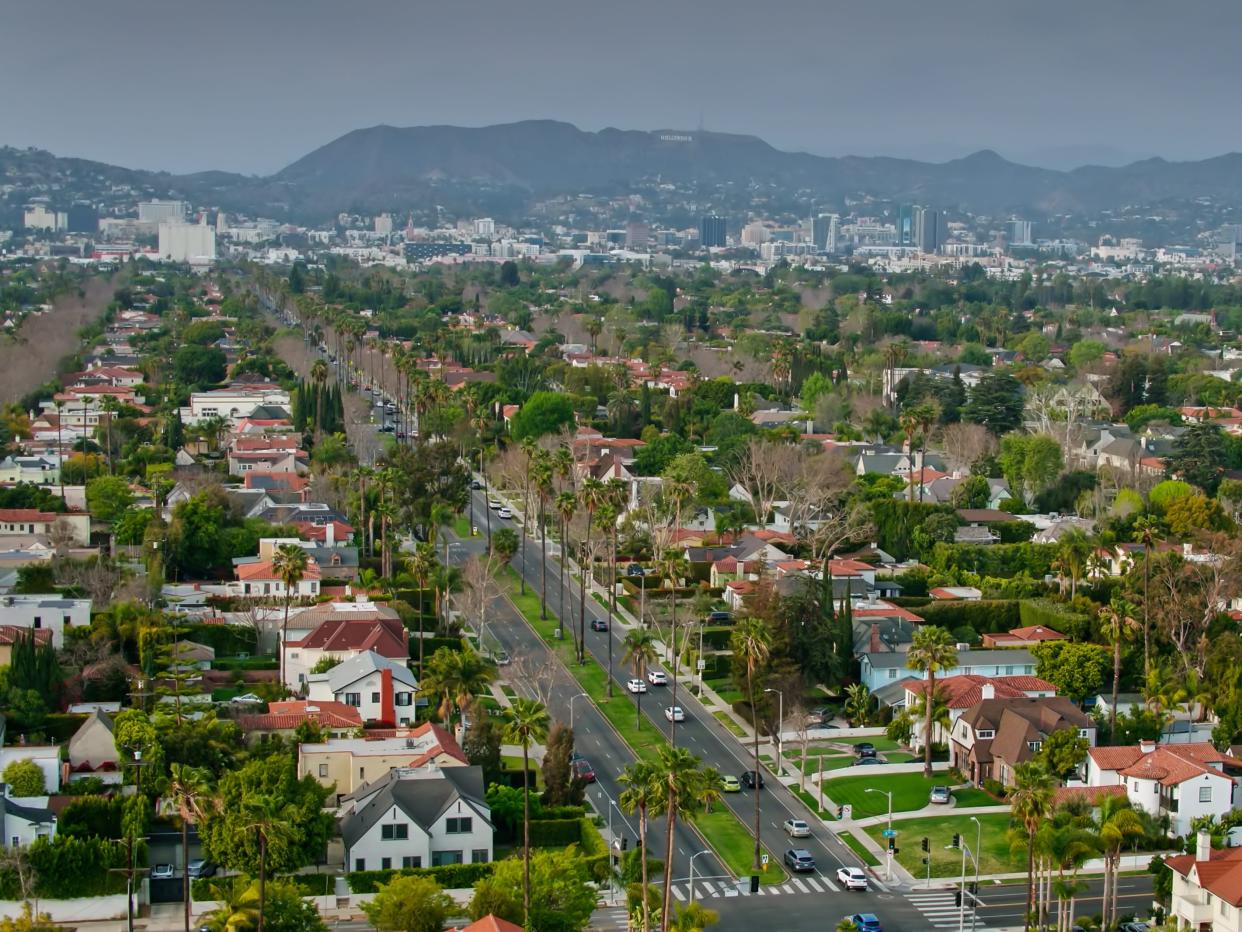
column 45, row 613
column 418, row 817
column 26, row 819
column 382, row 690
column 1207, row 888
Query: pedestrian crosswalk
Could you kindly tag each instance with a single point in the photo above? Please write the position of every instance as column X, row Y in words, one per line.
column 709, row 889
column 942, row 912
column 610, row 919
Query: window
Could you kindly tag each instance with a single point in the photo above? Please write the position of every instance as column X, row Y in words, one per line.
column 354, row 699
column 360, row 864
column 1205, row 794
column 412, row 860
column 323, row 770
column 892, row 674
column 985, row 733
column 1034, row 745
column 965, row 671
column 445, row 857
column 458, row 826
column 1009, row 670
column 404, row 698
column 478, row 856
column 1082, row 733
column 385, row 864
column 397, row 832
column 66, row 620
column 17, row 841
column 38, row 622
column 375, row 697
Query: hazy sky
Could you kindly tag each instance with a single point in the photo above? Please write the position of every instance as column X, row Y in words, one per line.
column 250, row 85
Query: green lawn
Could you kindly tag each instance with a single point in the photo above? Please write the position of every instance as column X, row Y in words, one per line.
column 910, row 791
column 735, row 844
column 725, row 719
column 859, row 849
column 968, row 797
column 880, row 741
column 947, row 862
column 514, row 762
column 811, row 799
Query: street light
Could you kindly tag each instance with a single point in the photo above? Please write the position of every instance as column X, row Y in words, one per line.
column 571, row 709
column 975, row 892
column 780, row 721
column 889, row 794
column 692, row 857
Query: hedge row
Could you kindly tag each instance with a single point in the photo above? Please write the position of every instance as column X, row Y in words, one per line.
column 236, row 664
column 555, row 833
column 1000, row 560
column 448, row 876
column 1056, row 616
column 431, row 645
column 228, row 640
column 598, row 857
column 69, row 868
column 985, row 616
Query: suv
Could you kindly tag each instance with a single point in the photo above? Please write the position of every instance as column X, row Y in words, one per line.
column 865, row 922
column 799, row 860
column 719, row 618
column 750, row 778
column 583, row 770
column 200, row 868
column 852, row 878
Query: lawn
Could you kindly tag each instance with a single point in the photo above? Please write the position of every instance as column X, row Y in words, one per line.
column 859, row 849
column 968, row 797
column 735, row 844
column 809, row 797
column 910, row 791
column 461, row 526
column 725, row 719
column 947, row 862
column 880, row 741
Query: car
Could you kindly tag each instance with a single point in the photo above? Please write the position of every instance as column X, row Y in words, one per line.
column 940, row 794
column 200, row 868
column 796, row 828
column 504, row 512
column 731, row 784
column 400, row 435
column 865, row 922
column 799, row 860
column 583, row 770
column 750, row 778
column 719, row 618
column 476, row 484
column 502, row 658
column 1135, row 926
column 163, row 872
column 598, row 624
column 495, row 504
column 635, row 569
column 246, row 699
column 386, row 428
column 852, row 878
column 636, row 686
column 864, row 749
column 657, row 678
column 575, row 755
column 674, row 713
column 866, row 761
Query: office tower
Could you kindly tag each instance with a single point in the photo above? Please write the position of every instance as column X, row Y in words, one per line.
column 486, row 227
column 905, row 225
column 83, row 218
column 754, row 234
column 825, row 229
column 160, row 211
column 1019, row 232
column 383, row 224
column 712, row 231
column 928, row 229
column 637, row 236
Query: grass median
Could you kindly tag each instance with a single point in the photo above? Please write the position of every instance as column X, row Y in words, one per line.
column 722, row 829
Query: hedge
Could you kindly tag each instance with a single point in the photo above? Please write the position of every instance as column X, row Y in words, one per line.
column 714, row 638
column 895, row 521
column 69, row 868
column 56, row 728
column 1056, row 616
column 1001, row 560
column 598, row 857
column 431, row 645
column 448, row 876
column 236, row 664
column 227, row 640
column 555, row 833
column 985, row 616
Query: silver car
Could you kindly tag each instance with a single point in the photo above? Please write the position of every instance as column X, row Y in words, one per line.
column 940, row 794
column 796, row 828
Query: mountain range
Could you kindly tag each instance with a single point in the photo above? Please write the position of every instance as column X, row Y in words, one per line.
column 511, row 165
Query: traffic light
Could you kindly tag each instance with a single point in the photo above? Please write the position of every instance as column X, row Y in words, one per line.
column 926, row 846
column 925, row 860
column 957, row 841
column 957, row 897
column 625, row 843
column 892, row 844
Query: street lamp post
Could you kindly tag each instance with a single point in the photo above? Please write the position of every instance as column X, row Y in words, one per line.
column 975, row 892
column 777, row 738
column 571, row 709
column 889, row 794
column 692, row 857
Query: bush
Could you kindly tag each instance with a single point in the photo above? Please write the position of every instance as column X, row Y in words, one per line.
column 448, row 876
column 24, row 778
column 1002, row 560
column 69, row 868
column 238, row 664
column 985, row 616
column 716, row 638
column 996, row 788
column 554, row 833
column 310, row 884
column 91, row 817
column 1054, row 615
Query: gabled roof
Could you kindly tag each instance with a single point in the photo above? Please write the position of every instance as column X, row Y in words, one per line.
column 490, row 923
column 386, row 636
column 423, row 795
column 288, row 715
column 966, row 690
column 355, row 668
column 1220, row 875
column 37, row 815
column 1173, row 764
column 262, row 570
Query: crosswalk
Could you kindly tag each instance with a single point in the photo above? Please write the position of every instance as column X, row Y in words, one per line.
column 708, row 889
column 942, row 912
column 610, row 919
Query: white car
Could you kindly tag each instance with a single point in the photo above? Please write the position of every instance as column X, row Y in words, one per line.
column 657, row 678
column 796, row 828
column 504, row 512
column 163, row 872
column 674, row 713
column 636, row 686
column 852, row 878
column 495, row 504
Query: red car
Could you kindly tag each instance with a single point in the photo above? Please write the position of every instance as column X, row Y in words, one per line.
column 583, row 770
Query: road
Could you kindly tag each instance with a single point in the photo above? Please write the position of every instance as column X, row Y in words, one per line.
column 1003, row 904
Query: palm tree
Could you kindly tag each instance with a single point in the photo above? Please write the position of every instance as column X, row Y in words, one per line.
column 917, row 711
column 673, row 567
column 931, row 651
column 541, row 472
column 319, row 375
column 526, row 723
column 1118, row 822
column 422, row 565
column 237, row 909
column 269, row 819
column 752, row 645
column 1117, row 625
column 456, row 676
column 679, row 775
column 643, row 793
column 1074, row 550
column 1070, row 845
column 566, row 505
column 592, row 495
column 1031, row 803
column 693, row 917
column 1147, row 532
column 711, row 789
column 189, row 790
column 909, row 426
column 289, row 566
column 640, row 653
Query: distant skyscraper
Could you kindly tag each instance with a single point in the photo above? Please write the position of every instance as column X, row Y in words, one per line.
column 160, row 211
column 905, row 225
column 83, row 218
column 712, row 231
column 824, row 232
column 928, row 229
column 1019, row 232
column 383, row 224
column 637, row 236
column 486, row 227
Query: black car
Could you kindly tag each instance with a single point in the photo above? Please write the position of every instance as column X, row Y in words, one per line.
column 799, row 860
column 866, row 749
column 750, row 778
column 476, row 484
column 719, row 618
column 635, row 569
column 598, row 624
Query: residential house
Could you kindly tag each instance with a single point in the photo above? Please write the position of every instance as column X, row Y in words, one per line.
column 343, row 638
column 335, row 719
column 884, row 666
column 956, row 594
column 92, row 750
column 1182, row 781
column 74, row 526
column 490, row 923
column 1207, row 888
column 37, row 470
column 959, row 693
column 257, row 578
column 418, row 817
column 992, row 737
column 346, row 762
column 9, row 634
column 382, row 690
column 1022, row 637
column 45, row 612
column 26, row 819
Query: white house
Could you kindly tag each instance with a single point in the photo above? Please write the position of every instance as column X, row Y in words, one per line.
column 26, row 819
column 1183, row 781
column 382, row 690
column 418, row 817
column 342, row 637
column 45, row 612
column 233, row 403
column 883, row 668
column 1207, row 887
column 30, row 522
column 257, row 578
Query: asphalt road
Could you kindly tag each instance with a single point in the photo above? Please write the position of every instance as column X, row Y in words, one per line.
column 1003, row 904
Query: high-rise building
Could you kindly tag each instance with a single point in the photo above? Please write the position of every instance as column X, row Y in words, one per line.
column 83, row 218
column 755, row 234
column 486, row 227
column 160, row 211
column 187, row 242
column 712, row 231
column 1019, row 232
column 928, row 229
column 39, row 217
column 825, row 229
column 905, row 225
column 383, row 224
column 637, row 235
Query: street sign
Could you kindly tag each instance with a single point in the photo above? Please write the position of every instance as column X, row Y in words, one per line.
column 889, row 833
column 764, row 860
column 702, row 664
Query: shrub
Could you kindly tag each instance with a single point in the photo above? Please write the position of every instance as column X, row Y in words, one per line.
column 68, row 868
column 984, row 616
column 554, row 833
column 448, row 876
column 238, row 664
column 24, row 778
column 91, row 816
column 228, row 640
column 1054, row 615
column 996, row 788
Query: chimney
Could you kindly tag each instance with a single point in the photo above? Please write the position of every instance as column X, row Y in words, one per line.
column 1188, row 549
column 329, row 534
column 987, row 691
column 1203, row 846
column 388, row 706
column 736, row 401
column 1146, row 745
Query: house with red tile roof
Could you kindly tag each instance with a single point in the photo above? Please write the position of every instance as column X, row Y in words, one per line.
column 1207, row 887
column 344, row 638
column 351, row 763
column 1182, row 781
column 1022, row 637
column 335, row 719
column 256, row 578
column 490, row 923
column 959, row 693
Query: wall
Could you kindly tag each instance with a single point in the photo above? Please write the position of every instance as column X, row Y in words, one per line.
column 78, row 910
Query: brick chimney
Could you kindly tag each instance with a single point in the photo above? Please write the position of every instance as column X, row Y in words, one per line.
column 388, row 706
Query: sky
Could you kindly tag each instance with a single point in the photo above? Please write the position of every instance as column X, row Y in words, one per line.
column 252, row 85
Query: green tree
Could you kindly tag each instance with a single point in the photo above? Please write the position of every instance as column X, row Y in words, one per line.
column 693, row 917
column 410, row 904
column 199, row 365
column 971, row 492
column 1194, row 513
column 562, row 897
column 543, row 413
column 931, row 651
column 1077, row 670
column 189, row 791
column 289, row 564
column 560, row 786
column 643, row 794
column 1199, row 456
column 526, row 723
column 640, row 654
column 1031, row 803
column 1061, row 752
column 1119, row 824
column 24, row 778
column 1163, row 494
column 677, row 771
column 108, row 497
column 482, row 744
column 1085, row 352
column 751, row 643
column 1030, row 464
column 996, row 403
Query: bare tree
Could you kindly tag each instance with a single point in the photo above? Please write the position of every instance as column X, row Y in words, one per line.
column 965, row 444
column 1188, row 594
column 801, row 720
column 479, row 589
column 535, row 673
column 769, row 472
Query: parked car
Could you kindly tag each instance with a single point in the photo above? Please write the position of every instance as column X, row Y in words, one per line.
column 200, row 868
column 796, row 828
column 674, row 713
column 864, row 749
column 598, row 624
column 502, row 658
column 163, row 872
column 504, row 512
column 1135, row 926
column 865, row 761
column 476, row 484
column 583, row 770
column 799, row 860
column 635, row 569
column 730, row 784
column 657, row 678
column 750, row 778
column 719, row 618
column 852, row 878
column 940, row 794
column 865, row 922
column 495, row 504
column 636, row 686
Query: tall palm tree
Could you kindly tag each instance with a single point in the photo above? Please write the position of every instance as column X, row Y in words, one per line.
column 679, row 774
column 1031, row 802
column 1074, row 551
column 1147, row 532
column 1070, row 846
column 1117, row 627
column 592, row 495
column 526, row 723
column 643, row 794
column 566, row 506
column 711, row 788
column 909, row 426
column 269, row 819
column 456, row 676
column 422, row 565
column 541, row 471
column 640, row 653
column 189, row 790
column 931, row 651
column 752, row 645
column 673, row 567
column 319, row 375
column 289, row 565
column 1118, row 823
